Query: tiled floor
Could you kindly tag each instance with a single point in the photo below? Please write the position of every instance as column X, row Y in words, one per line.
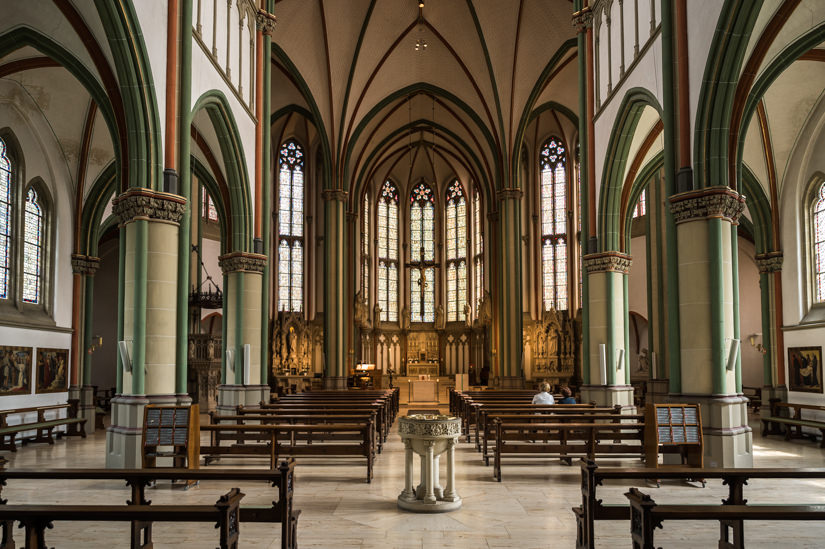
column 531, row 508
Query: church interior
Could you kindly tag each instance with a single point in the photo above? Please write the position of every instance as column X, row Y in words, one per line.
column 257, row 255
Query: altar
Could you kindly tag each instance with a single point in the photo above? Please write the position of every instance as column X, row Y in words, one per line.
column 415, row 369
column 423, row 390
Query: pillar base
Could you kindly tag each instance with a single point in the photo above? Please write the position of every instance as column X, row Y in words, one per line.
column 610, row 395
column 124, row 435
column 87, row 410
column 728, row 438
column 657, row 391
column 232, row 396
column 335, row 383
column 512, row 382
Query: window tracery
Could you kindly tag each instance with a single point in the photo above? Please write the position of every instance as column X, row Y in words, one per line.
column 478, row 251
column 456, row 235
column 388, row 252
column 819, row 244
column 422, row 246
column 553, row 186
column 291, row 228
column 5, row 221
column 32, row 248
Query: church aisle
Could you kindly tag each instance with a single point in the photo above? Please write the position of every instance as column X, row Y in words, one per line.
column 530, row 509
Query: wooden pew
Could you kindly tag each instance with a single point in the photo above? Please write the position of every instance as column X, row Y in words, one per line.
column 593, row 476
column 393, row 395
column 646, row 516
column 281, row 478
column 44, row 428
column 282, row 439
column 793, row 421
column 383, row 422
column 567, row 440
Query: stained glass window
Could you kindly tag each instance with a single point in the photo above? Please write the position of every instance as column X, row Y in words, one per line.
column 641, row 206
column 579, row 218
column 365, row 249
column 388, row 252
column 291, row 227
column 210, row 212
column 422, row 247
column 456, row 235
column 553, row 166
column 32, row 248
column 5, row 221
column 819, row 244
column 478, row 251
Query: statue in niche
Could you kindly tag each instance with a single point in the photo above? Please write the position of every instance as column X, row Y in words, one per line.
column 292, row 342
column 362, row 319
column 405, row 318
column 644, row 362
column 468, row 315
column 439, row 317
column 485, row 311
column 376, row 315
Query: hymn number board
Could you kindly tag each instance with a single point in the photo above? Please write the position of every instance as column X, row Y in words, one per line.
column 674, row 429
column 171, row 431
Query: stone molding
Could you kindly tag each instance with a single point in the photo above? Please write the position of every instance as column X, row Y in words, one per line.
column 242, row 262
column 147, row 204
column 713, row 202
column 507, row 194
column 85, row 264
column 429, row 426
column 583, row 19
column 265, row 22
column 769, row 262
column 334, row 194
column 605, row 262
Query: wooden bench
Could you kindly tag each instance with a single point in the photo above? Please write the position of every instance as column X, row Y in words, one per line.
column 793, row 421
column 593, row 476
column 754, row 395
column 281, row 511
column 646, row 516
column 43, row 427
column 283, row 439
column 567, row 440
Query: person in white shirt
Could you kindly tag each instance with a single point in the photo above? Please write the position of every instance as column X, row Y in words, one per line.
column 544, row 397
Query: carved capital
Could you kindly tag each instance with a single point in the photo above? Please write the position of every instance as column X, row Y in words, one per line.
column 607, row 262
column 85, row 264
column 242, row 262
column 583, row 19
column 508, row 194
column 265, row 22
column 334, row 194
column 713, row 202
column 147, row 204
column 769, row 262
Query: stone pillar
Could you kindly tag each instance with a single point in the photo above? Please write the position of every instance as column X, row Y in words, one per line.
column 770, row 271
column 85, row 266
column 510, row 348
column 243, row 273
column 334, row 325
column 149, row 220
column 705, row 223
column 607, row 303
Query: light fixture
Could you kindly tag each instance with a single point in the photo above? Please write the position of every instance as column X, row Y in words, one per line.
column 421, row 43
column 97, row 343
column 758, row 346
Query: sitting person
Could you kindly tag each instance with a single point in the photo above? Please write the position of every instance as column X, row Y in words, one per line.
column 567, row 396
column 544, row 397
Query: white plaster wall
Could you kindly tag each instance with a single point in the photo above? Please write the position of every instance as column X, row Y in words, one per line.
column 750, row 314
column 637, row 278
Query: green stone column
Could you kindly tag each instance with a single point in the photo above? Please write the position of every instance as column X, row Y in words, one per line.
column 770, row 265
column 608, row 330
column 510, row 343
column 149, row 221
column 243, row 294
column 334, row 315
column 86, row 266
column 705, row 222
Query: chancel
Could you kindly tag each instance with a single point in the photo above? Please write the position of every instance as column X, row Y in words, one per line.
column 241, row 239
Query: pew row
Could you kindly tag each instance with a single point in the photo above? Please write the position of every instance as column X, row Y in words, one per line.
column 42, row 426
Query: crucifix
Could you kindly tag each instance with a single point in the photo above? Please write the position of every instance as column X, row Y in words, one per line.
column 421, row 265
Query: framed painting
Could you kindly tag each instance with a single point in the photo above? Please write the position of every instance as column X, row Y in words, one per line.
column 805, row 369
column 51, row 374
column 15, row 370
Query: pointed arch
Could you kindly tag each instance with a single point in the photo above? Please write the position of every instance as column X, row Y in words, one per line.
column 388, row 215
column 553, row 168
column 422, row 249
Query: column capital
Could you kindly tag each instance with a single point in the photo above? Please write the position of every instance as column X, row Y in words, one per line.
column 508, row 194
column 265, row 22
column 712, row 202
column 242, row 262
column 334, row 194
column 583, row 19
column 769, row 262
column 85, row 264
column 603, row 262
column 146, row 204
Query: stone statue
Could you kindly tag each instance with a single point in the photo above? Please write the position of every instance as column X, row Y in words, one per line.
column 468, row 312
column 405, row 318
column 376, row 315
column 361, row 311
column 644, row 361
column 485, row 311
column 439, row 317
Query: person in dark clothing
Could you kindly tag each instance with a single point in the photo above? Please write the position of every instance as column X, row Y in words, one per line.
column 567, row 396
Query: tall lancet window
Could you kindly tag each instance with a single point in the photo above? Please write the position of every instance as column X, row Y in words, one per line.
column 32, row 248
column 553, row 166
column 456, row 251
column 5, row 221
column 478, row 251
column 819, row 245
column 388, row 252
column 641, row 206
column 291, row 228
column 365, row 249
column 422, row 254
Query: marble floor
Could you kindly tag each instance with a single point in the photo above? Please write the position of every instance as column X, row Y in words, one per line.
column 530, row 509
